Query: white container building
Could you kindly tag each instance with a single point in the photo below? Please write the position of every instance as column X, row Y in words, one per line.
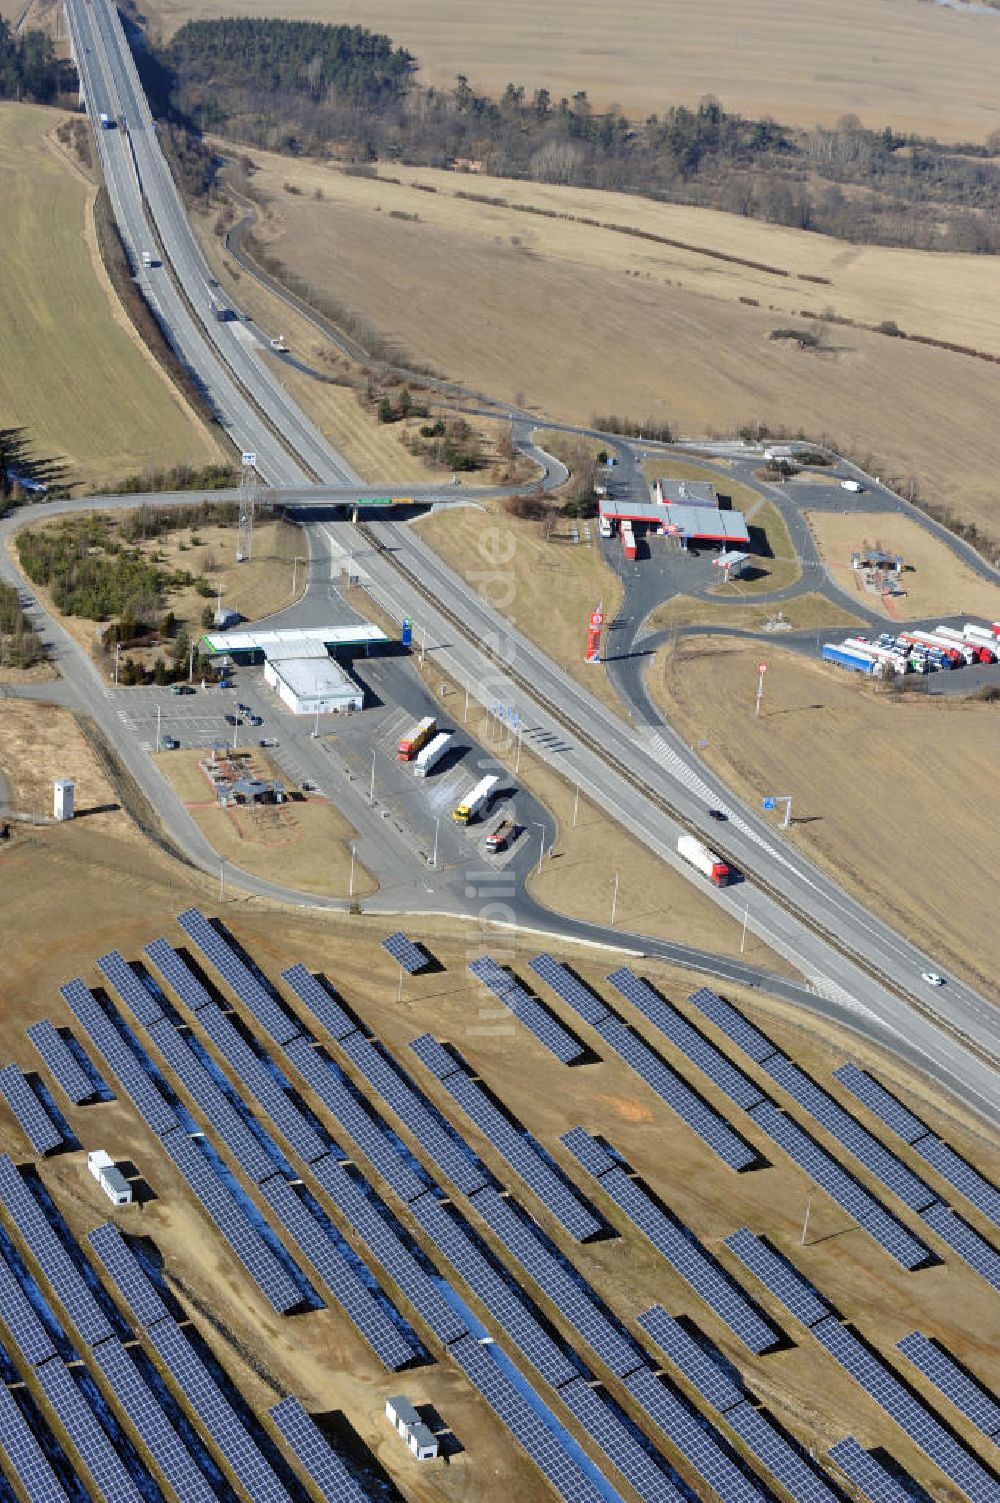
column 110, row 1178
column 421, row 1440
column 63, row 792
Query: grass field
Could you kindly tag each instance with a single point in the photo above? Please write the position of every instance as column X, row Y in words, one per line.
column 547, row 586
column 304, row 843
column 536, row 296
column 41, row 742
column 72, row 371
column 111, row 895
column 892, row 62
column 937, row 582
column 880, row 785
column 740, row 610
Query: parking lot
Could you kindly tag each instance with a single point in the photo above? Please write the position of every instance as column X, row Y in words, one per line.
column 351, row 760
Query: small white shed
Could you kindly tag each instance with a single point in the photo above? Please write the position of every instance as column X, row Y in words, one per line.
column 110, row 1178
column 421, row 1440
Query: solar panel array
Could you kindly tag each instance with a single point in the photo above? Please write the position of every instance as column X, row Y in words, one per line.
column 315, row 1455
column 695, row 1439
column 508, row 1306
column 62, row 1273
column 450, row 1153
column 912, row 1416
column 157, row 1113
column 187, row 1370
column 668, row 1085
column 92, row 1445
column 952, row 1380
column 884, row 1164
column 22, row 1321
column 966, row 1241
column 154, row 1429
column 215, row 1413
column 710, row 1060
column 866, row 1473
column 733, row 1024
column 57, row 1056
column 25, row 1456
column 783, row 1280
column 687, row 1257
column 605, row 1424
column 224, row 959
column 528, row 1010
column 519, row 1149
column 178, row 974
column 35, row 1122
column 405, row 952
column 320, row 1003
column 245, row 1240
column 512, row 1408
column 708, row 1376
column 138, row 999
column 341, row 1277
column 340, row 1099
column 937, row 1154
column 569, row 988
column 574, row 1298
column 842, row 1187
column 385, row 1239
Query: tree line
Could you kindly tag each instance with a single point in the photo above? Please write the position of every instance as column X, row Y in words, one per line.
column 306, row 88
column 29, row 68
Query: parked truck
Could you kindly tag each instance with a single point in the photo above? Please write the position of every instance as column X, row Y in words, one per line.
column 947, row 649
column 432, row 754
column 416, row 739
column 499, row 839
column 848, row 657
column 707, row 862
column 976, row 649
column 888, row 656
column 475, row 802
column 980, row 635
column 628, row 539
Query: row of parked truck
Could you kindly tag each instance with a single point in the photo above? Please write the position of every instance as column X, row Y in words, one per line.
column 424, row 745
column 917, row 651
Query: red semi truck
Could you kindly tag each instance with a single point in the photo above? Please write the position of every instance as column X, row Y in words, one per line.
column 415, row 739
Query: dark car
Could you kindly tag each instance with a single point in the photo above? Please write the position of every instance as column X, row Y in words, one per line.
column 255, row 719
column 233, row 720
column 717, row 814
column 267, row 741
column 181, row 689
column 169, row 743
column 225, row 683
column 244, row 709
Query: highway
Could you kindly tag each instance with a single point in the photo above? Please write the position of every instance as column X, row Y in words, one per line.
column 785, row 899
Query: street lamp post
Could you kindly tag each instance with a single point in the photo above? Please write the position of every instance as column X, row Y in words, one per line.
column 350, row 881
column 157, row 727
column 118, row 649
column 743, row 939
column 541, row 843
column 434, row 858
column 761, row 670
column 371, row 789
column 222, row 880
column 614, row 901
column 191, row 662
column 517, row 762
column 576, row 804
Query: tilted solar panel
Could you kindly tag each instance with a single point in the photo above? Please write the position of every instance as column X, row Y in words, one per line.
column 565, row 985
column 515, row 1411
column 588, row 1153
column 127, row 1274
column 25, row 1456
column 237, row 976
column 157, row 1113
column 605, row 1424
column 141, row 1003
column 22, row 1321
column 405, row 952
column 875, row 1483
column 178, row 974
column 946, row 1375
column 697, row 1441
column 314, row 1453
column 783, row 1280
column 880, row 1103
column 88, row 1438
column 65, row 1069
column 977, row 1190
column 966, row 1241
column 319, row 1001
column 732, row 1023
column 35, row 1122
column 708, row 1377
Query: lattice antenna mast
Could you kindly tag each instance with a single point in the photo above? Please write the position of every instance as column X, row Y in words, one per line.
column 248, row 505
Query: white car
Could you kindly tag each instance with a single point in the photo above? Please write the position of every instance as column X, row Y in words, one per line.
column 932, row 978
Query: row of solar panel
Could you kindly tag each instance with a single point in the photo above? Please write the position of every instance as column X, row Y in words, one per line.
column 678, row 1245
column 519, row 1150
column 723, row 1139
column 935, row 1153
column 36, row 1122
column 875, row 1376
column 817, row 1162
column 962, row 1238
column 528, row 1010
column 405, row 953
column 340, row 1270
column 385, row 1239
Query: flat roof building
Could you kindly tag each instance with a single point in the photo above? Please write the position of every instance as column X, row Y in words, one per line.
column 685, row 493
column 313, row 685
column 695, row 523
column 303, row 642
column 419, row 1437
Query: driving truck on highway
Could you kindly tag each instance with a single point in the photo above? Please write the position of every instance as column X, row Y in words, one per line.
column 415, row 739
column 432, row 754
column 475, row 802
column 106, row 121
column 707, row 862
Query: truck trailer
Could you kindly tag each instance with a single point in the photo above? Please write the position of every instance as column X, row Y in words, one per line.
column 890, row 656
column 432, row 754
column 976, row 649
column 475, row 802
column 628, row 540
column 848, row 657
column 707, row 862
column 416, row 739
column 936, row 644
column 106, row 121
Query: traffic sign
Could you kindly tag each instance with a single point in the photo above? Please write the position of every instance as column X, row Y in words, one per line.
column 768, row 803
column 761, row 667
column 249, row 459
